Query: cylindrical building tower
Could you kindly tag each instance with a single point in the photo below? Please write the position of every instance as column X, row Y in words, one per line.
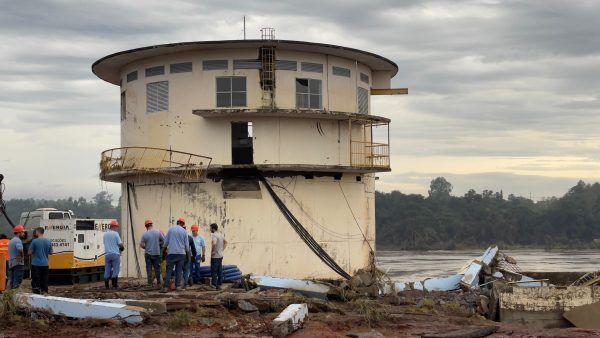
column 201, row 122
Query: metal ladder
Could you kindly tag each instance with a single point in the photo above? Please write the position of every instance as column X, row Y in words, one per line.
column 267, row 72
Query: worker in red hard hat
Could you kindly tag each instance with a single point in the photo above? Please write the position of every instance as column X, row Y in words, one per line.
column 113, row 246
column 152, row 242
column 200, row 246
column 178, row 248
column 16, row 262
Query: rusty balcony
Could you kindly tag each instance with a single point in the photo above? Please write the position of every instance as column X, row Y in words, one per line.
column 118, row 163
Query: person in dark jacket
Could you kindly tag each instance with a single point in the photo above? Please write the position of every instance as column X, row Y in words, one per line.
column 187, row 276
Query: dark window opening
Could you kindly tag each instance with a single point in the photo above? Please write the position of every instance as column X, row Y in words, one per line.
column 358, row 178
column 123, row 107
column 132, row 76
column 337, row 177
column 154, row 71
column 55, row 215
column 241, row 143
column 80, row 238
column 85, row 225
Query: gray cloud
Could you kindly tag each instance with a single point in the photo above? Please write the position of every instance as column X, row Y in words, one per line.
column 486, row 78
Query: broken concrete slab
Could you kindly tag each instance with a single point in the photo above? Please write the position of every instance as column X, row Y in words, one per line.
column 289, row 320
column 471, row 332
column 585, row 316
column 304, row 287
column 80, row 308
column 246, row 306
column 153, row 307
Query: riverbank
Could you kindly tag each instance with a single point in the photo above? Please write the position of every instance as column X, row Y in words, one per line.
column 202, row 312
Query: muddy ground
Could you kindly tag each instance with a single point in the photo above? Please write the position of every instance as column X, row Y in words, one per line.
column 202, row 312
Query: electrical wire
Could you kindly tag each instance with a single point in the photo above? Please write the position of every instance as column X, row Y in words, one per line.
column 355, row 220
column 302, row 232
column 3, row 203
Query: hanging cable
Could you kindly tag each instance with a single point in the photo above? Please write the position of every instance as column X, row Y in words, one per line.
column 303, row 233
column 355, row 220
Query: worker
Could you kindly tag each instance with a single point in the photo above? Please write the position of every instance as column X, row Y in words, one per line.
column 16, row 262
column 113, row 246
column 39, row 250
column 187, row 266
column 152, row 240
column 200, row 250
column 177, row 246
column 218, row 245
column 4, row 249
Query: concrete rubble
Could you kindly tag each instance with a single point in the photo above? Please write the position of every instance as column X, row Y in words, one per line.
column 289, row 320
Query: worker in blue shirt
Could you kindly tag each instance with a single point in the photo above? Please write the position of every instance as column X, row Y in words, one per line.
column 152, row 242
column 178, row 247
column 16, row 262
column 39, row 249
column 200, row 250
column 113, row 246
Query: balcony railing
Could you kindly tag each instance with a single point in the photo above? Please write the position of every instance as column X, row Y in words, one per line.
column 369, row 154
column 143, row 160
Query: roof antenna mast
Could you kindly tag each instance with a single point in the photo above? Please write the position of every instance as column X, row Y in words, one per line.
column 244, row 27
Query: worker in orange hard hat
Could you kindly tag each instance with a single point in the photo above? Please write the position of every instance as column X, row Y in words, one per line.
column 200, row 245
column 152, row 242
column 16, row 262
column 113, row 246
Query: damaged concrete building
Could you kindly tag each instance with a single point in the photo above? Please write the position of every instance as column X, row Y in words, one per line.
column 205, row 126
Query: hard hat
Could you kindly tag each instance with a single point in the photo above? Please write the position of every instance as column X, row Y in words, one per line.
column 19, row 228
column 181, row 220
column 148, row 221
column 195, row 227
column 114, row 223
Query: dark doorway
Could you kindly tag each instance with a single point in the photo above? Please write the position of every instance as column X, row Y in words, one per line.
column 241, row 143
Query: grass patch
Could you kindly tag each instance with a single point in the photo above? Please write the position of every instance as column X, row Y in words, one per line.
column 179, row 320
column 8, row 307
column 370, row 310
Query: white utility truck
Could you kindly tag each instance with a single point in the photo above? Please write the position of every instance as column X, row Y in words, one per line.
column 77, row 244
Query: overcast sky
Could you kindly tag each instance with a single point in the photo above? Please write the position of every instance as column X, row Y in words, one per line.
column 503, row 95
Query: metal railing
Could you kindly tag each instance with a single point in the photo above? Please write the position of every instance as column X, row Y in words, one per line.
column 369, row 154
column 143, row 160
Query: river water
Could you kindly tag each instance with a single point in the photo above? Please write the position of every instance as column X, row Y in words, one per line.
column 417, row 265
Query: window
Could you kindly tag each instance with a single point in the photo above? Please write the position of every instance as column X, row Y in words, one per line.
column 157, row 96
column 154, row 71
column 363, row 100
column 364, row 78
column 183, row 67
column 132, row 76
column 214, row 65
column 123, row 106
column 247, row 64
column 55, row 215
column 339, row 71
column 231, row 91
column 308, row 93
column 80, row 238
column 286, row 65
column 312, row 67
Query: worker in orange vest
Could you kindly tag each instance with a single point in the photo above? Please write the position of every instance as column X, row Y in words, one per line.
column 4, row 252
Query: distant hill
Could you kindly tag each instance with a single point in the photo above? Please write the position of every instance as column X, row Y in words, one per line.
column 475, row 220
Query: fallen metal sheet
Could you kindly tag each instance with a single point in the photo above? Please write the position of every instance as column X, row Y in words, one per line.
column 153, row 307
column 585, row 316
column 80, row 308
column 307, row 288
column 471, row 276
column 289, row 320
column 489, row 255
column 431, row 284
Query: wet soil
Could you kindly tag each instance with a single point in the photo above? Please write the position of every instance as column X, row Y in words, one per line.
column 202, row 312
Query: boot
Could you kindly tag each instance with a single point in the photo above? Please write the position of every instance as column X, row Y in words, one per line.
column 115, row 282
column 106, row 284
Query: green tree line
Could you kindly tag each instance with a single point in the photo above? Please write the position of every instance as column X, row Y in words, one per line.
column 100, row 206
column 475, row 220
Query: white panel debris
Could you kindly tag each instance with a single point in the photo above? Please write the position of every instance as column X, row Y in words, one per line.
column 471, row 275
column 80, row 308
column 307, row 288
column 289, row 320
column 489, row 255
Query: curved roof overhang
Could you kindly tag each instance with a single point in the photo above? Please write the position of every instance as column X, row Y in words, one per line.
column 109, row 67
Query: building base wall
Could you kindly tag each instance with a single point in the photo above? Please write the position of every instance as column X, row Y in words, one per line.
column 339, row 214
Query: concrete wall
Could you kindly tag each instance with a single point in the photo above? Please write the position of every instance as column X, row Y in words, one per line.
column 263, row 242
column 278, row 140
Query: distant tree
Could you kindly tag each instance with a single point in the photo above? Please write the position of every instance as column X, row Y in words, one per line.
column 439, row 187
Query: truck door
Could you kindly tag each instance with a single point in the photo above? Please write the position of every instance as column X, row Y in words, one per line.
column 85, row 241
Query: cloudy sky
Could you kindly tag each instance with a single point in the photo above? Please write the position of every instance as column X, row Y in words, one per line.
column 504, row 95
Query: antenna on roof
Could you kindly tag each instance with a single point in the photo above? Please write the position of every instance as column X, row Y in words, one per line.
column 267, row 33
column 244, row 27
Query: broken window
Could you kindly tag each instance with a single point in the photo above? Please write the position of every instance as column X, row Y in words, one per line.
column 123, row 106
column 363, row 100
column 231, row 91
column 157, row 96
column 308, row 94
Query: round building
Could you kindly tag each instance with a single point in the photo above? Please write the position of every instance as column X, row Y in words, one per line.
column 273, row 140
